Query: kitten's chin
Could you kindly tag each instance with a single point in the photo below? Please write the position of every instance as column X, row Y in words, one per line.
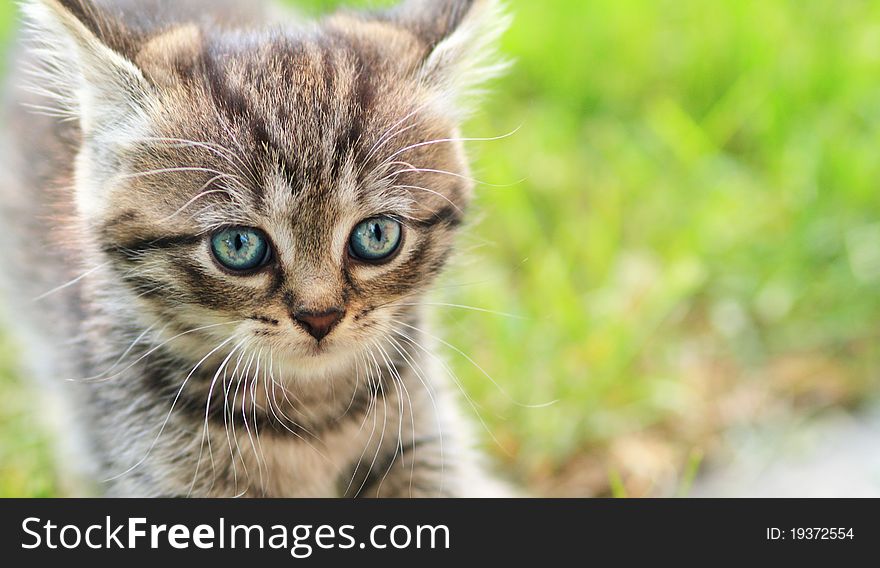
column 317, row 361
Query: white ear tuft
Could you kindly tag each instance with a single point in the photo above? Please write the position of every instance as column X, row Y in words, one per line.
column 462, row 38
column 83, row 77
column 461, row 64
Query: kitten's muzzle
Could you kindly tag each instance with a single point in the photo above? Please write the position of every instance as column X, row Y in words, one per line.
column 319, row 325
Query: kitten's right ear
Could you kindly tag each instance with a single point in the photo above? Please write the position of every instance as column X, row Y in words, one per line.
column 82, row 65
column 460, row 39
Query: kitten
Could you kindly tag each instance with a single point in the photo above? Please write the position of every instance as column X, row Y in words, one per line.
column 230, row 218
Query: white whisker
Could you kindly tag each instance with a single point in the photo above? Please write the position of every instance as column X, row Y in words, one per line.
column 452, row 140
column 464, row 307
column 173, row 404
column 421, row 376
column 71, row 283
column 101, row 378
column 479, row 368
column 206, row 434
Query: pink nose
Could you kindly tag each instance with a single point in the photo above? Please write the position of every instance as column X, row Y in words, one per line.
column 319, row 325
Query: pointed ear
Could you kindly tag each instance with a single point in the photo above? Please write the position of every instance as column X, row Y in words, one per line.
column 461, row 38
column 82, row 65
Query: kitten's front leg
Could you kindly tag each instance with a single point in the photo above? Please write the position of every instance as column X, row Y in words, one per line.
column 428, row 451
column 415, row 469
column 423, row 470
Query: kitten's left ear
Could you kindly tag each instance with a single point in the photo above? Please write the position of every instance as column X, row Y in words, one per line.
column 81, row 50
column 461, row 39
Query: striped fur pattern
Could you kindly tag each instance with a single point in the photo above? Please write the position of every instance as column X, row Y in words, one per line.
column 161, row 122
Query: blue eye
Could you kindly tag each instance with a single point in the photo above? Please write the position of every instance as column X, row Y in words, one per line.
column 376, row 239
column 241, row 249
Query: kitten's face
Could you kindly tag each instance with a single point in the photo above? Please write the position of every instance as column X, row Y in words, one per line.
column 301, row 190
column 289, row 193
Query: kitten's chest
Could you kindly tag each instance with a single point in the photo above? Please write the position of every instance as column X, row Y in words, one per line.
column 332, row 463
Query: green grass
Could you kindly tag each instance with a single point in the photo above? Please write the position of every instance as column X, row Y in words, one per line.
column 695, row 245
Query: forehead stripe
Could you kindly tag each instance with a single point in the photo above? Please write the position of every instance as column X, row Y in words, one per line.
column 235, row 107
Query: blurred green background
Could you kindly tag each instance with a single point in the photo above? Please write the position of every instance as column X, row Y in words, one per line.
column 685, row 229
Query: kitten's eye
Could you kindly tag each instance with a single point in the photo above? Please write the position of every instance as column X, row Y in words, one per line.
column 241, row 249
column 375, row 239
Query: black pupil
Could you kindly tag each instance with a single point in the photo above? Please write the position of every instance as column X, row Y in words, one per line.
column 239, row 242
column 377, row 232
